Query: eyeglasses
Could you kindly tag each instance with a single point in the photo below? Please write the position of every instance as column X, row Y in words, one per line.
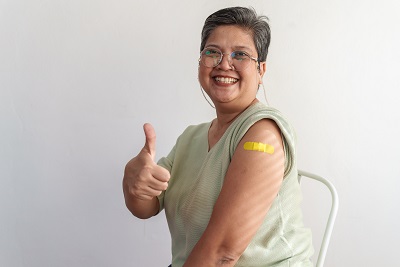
column 238, row 60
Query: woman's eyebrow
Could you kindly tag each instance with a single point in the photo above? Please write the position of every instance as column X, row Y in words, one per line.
column 212, row 45
column 237, row 47
column 240, row 47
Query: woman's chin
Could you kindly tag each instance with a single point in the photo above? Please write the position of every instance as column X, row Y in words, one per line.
column 223, row 98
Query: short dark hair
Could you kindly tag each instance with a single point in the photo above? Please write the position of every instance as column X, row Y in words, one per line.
column 246, row 18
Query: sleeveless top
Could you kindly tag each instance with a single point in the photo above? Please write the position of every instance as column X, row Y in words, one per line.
column 197, row 177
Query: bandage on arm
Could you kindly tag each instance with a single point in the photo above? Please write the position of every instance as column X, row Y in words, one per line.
column 256, row 146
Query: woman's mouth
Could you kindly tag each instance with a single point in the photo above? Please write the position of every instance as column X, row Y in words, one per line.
column 226, row 80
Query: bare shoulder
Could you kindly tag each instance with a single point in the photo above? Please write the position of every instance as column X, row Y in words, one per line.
column 264, row 130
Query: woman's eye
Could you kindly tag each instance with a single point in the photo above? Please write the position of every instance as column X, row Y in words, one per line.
column 211, row 52
column 239, row 55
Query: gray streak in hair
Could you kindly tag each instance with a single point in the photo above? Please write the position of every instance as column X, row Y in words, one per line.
column 246, row 18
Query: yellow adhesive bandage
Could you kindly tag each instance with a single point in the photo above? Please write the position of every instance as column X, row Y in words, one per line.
column 259, row 147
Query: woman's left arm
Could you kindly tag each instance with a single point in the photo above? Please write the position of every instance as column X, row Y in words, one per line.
column 251, row 184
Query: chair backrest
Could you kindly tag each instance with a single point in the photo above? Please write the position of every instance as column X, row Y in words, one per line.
column 332, row 215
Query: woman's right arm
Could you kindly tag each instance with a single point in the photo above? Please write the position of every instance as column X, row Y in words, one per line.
column 144, row 180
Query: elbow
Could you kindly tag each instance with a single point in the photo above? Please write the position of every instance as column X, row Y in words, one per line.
column 137, row 213
column 140, row 212
column 228, row 255
column 142, row 209
column 214, row 254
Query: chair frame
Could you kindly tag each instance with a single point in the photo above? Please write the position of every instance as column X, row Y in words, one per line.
column 332, row 215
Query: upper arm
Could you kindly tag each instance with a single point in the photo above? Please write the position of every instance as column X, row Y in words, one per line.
column 251, row 184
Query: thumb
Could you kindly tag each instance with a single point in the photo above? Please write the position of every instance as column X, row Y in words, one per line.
column 150, row 144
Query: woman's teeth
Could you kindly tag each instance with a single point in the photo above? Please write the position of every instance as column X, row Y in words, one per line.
column 225, row 80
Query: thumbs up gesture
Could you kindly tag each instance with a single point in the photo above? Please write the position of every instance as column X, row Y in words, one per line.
column 143, row 178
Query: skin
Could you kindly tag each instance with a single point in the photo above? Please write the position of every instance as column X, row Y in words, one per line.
column 231, row 99
column 144, row 180
column 253, row 178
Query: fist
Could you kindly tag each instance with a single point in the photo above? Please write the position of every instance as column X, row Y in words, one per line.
column 143, row 178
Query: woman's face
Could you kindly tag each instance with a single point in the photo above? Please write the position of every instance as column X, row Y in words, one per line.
column 228, row 88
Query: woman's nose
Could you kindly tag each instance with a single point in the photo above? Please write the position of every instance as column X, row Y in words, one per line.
column 226, row 62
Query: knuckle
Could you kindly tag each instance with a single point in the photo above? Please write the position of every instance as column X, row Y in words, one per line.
column 165, row 186
column 136, row 189
column 132, row 191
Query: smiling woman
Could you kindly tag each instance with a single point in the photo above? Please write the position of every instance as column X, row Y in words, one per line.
column 229, row 187
column 231, row 80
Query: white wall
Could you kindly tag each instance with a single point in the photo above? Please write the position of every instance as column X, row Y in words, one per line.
column 79, row 78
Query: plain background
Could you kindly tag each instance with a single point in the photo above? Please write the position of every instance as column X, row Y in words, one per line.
column 78, row 79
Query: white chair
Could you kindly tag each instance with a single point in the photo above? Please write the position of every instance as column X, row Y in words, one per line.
column 332, row 215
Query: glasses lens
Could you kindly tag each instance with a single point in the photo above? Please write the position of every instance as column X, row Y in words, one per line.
column 211, row 57
column 240, row 60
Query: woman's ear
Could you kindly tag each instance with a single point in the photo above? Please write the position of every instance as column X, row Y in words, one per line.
column 262, row 67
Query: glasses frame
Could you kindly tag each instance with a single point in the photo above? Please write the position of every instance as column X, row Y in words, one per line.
column 230, row 56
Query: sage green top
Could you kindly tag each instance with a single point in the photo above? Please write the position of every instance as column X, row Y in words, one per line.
column 197, row 177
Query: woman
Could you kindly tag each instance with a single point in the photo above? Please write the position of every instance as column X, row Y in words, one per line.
column 229, row 187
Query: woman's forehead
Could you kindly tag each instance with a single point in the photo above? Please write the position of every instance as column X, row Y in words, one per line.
column 232, row 37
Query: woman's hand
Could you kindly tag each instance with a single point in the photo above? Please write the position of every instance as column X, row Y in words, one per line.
column 144, row 180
